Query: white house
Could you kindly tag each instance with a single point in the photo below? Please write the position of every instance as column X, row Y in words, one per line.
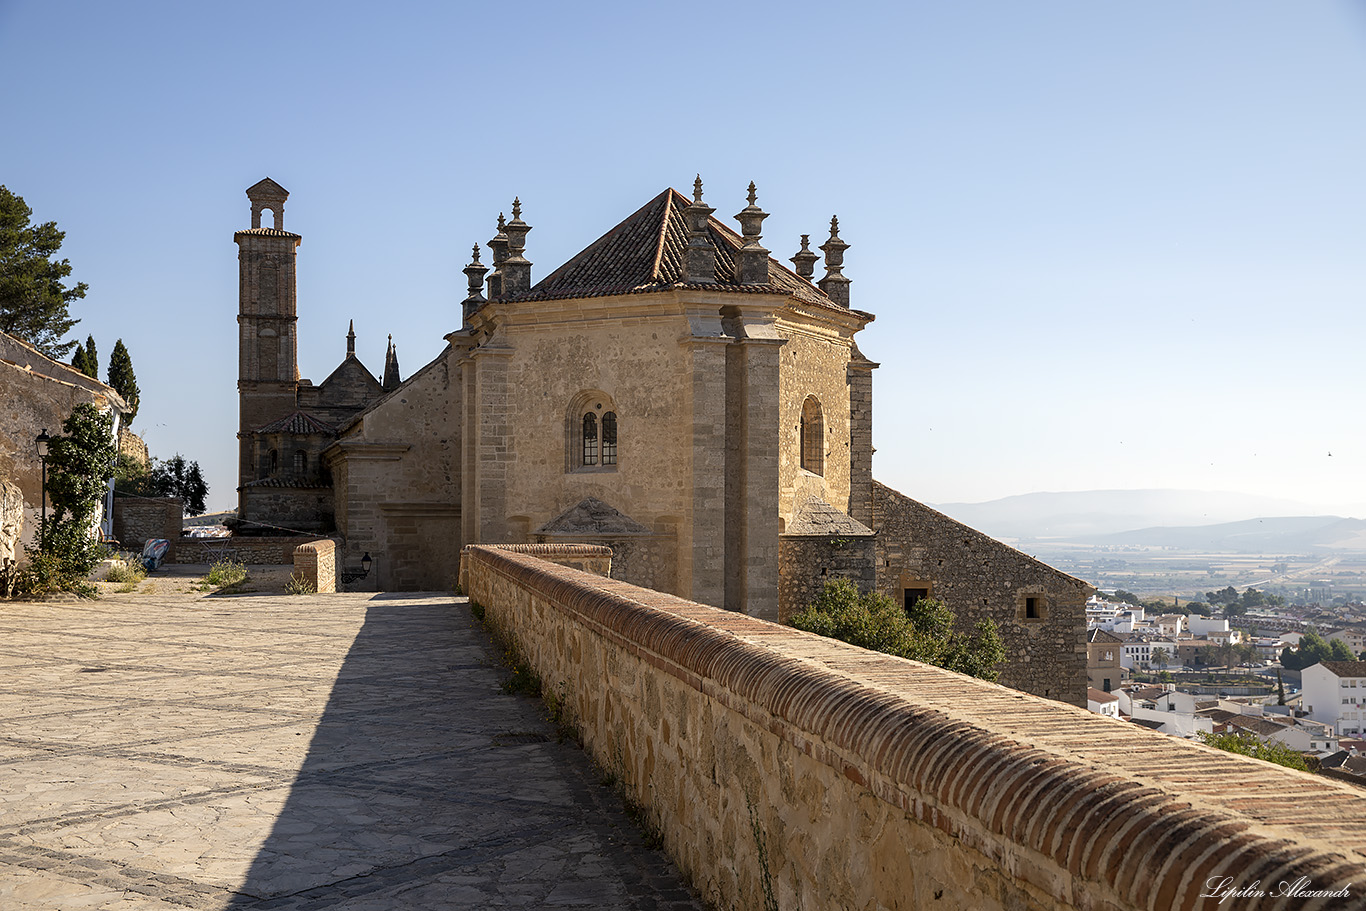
column 1102, row 703
column 1335, row 694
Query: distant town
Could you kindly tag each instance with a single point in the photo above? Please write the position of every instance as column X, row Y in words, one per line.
column 1275, row 676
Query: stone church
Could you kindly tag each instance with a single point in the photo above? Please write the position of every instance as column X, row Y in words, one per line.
column 672, row 391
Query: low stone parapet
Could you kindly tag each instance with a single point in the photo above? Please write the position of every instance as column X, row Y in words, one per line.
column 782, row 767
column 315, row 565
column 591, row 558
column 273, row 551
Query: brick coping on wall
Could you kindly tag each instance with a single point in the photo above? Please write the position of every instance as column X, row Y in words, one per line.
column 1150, row 817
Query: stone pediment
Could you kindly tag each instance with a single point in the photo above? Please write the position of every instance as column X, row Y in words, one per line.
column 591, row 516
column 267, row 190
column 817, row 517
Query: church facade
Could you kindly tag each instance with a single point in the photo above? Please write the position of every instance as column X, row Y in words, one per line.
column 672, row 391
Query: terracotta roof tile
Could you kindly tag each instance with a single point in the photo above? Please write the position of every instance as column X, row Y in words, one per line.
column 1346, row 668
column 298, row 422
column 287, row 482
column 267, row 232
column 646, row 253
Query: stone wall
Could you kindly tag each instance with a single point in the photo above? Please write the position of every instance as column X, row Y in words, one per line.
column 138, row 519
column 37, row 393
column 589, row 558
column 873, row 782
column 131, row 446
column 277, row 551
column 980, row 578
column 806, row 563
column 396, row 476
column 315, row 563
column 11, row 528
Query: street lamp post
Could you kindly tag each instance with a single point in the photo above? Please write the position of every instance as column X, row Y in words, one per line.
column 41, row 442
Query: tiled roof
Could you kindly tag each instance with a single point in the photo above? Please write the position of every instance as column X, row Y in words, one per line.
column 646, row 253
column 1346, row 668
column 1095, row 695
column 286, row 482
column 298, row 422
column 1100, row 635
column 267, row 232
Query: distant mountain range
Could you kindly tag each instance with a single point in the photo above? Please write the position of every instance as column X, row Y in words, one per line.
column 1187, row 519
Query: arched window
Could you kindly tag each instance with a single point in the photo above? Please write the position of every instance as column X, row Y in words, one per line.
column 591, row 432
column 274, row 461
column 813, row 436
column 609, row 438
column 590, row 440
column 300, row 462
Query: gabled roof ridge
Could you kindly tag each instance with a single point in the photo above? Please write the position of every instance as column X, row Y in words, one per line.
column 337, row 369
column 663, row 233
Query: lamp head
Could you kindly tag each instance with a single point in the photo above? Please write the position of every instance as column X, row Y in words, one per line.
column 41, row 442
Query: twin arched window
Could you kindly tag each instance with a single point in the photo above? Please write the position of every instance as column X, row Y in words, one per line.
column 813, row 436
column 599, row 439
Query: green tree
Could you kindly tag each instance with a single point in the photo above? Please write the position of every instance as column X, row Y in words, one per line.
column 1226, row 596
column 1339, row 651
column 79, row 360
column 178, row 478
column 79, row 463
column 1198, row 607
column 1125, row 597
column 33, row 298
column 122, row 378
column 92, row 358
column 1160, row 657
column 1246, row 744
column 925, row 632
column 1312, row 649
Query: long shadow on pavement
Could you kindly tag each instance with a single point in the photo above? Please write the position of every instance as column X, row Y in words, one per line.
column 426, row 787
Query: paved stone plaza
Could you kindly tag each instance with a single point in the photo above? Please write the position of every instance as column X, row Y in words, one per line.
column 167, row 751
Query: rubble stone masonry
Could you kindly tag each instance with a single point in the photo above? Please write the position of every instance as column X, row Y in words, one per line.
column 849, row 779
column 1039, row 611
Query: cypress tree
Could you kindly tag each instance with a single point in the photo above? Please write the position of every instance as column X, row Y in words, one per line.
column 80, row 361
column 123, row 380
column 92, row 360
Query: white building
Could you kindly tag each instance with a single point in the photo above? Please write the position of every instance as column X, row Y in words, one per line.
column 1335, row 694
column 1138, row 653
column 1102, row 703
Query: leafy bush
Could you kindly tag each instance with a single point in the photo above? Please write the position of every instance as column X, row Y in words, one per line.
column 225, row 573
column 298, row 585
column 1246, row 744
column 130, row 570
column 79, row 464
column 925, row 632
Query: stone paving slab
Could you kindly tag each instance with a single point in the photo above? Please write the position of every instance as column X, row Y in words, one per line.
column 173, row 750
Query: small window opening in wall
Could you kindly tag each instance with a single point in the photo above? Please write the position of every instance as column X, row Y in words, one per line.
column 590, row 439
column 812, row 432
column 609, row 438
column 1031, row 608
column 274, row 461
column 914, row 596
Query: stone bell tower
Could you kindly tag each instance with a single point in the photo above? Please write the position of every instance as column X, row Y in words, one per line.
column 267, row 314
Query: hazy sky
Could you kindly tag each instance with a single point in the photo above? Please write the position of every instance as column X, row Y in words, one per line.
column 1108, row 245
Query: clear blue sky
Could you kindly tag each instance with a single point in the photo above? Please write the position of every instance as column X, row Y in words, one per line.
column 1108, row 245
